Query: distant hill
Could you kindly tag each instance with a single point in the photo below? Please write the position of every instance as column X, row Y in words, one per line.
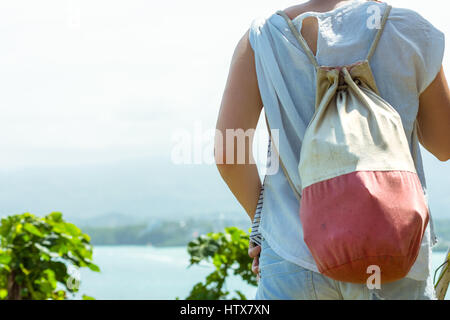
column 109, row 220
column 137, row 189
column 160, row 233
column 134, row 191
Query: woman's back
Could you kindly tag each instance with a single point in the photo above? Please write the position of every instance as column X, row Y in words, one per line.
column 407, row 59
column 309, row 24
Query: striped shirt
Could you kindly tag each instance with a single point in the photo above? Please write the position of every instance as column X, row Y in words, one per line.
column 255, row 234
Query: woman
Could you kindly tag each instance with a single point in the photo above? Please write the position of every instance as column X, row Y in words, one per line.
column 269, row 68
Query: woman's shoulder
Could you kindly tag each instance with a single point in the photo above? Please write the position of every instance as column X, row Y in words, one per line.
column 407, row 23
column 407, row 17
column 415, row 28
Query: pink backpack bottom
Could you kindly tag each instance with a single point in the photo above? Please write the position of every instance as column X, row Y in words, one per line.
column 365, row 218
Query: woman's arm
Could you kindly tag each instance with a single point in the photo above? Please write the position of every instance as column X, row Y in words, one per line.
column 434, row 118
column 240, row 109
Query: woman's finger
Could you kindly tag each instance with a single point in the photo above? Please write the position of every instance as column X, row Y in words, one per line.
column 255, row 265
column 253, row 252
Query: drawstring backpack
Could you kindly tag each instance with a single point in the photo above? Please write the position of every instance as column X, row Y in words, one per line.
column 361, row 201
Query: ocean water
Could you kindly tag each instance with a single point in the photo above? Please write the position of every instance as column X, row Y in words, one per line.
column 139, row 272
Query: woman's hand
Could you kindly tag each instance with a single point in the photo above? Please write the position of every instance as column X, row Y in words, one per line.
column 253, row 252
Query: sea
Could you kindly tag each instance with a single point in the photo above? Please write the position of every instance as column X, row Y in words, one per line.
column 145, row 272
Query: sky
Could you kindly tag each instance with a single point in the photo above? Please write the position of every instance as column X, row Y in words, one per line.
column 108, row 83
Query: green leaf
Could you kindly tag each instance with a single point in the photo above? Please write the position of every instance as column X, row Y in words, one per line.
column 4, row 258
column 62, row 249
column 86, row 237
column 19, row 227
column 55, row 216
column 32, row 229
column 3, row 293
column 235, row 236
column 5, row 267
column 85, row 297
column 59, row 295
column 241, row 295
column 72, row 229
column 93, row 267
column 23, row 269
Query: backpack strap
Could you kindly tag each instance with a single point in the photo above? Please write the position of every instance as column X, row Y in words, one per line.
column 299, row 38
column 297, row 192
column 307, row 49
column 380, row 31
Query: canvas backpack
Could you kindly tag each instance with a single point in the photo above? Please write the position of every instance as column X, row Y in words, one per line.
column 362, row 206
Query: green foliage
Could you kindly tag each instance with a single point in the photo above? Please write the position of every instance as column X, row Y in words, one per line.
column 35, row 253
column 227, row 252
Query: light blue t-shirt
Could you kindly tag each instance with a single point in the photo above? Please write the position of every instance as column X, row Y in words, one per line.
column 408, row 57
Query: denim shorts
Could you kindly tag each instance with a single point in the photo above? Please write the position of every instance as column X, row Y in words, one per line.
column 283, row 280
